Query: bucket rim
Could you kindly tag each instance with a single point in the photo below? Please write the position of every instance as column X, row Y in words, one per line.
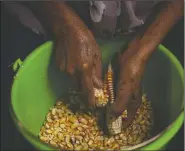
column 161, row 135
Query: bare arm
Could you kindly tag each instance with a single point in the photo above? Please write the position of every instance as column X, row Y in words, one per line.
column 133, row 61
column 163, row 23
column 72, row 37
column 140, row 49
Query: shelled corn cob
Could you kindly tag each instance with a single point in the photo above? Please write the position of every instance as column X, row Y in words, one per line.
column 114, row 125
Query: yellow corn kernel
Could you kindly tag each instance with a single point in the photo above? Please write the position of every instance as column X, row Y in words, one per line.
column 125, row 114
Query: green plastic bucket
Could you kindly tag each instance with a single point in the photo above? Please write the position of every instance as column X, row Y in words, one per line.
column 38, row 83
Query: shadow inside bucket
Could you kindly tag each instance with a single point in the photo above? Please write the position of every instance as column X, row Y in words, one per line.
column 158, row 88
column 60, row 82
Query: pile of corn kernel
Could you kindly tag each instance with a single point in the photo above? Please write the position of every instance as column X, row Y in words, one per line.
column 66, row 129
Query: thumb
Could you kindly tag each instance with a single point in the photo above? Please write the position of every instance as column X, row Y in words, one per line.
column 123, row 95
column 97, row 81
column 97, row 75
column 88, row 89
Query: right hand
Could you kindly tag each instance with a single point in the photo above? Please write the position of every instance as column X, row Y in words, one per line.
column 78, row 54
column 76, row 50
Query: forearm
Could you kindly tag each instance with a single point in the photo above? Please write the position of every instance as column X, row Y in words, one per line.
column 133, row 60
column 45, row 12
column 54, row 15
column 159, row 28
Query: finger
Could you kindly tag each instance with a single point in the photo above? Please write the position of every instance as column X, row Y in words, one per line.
column 97, row 81
column 123, row 95
column 97, row 73
column 127, row 85
column 132, row 108
column 70, row 70
column 76, row 81
column 88, row 88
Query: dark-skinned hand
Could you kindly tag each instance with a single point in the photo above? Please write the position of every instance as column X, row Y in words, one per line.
column 78, row 54
column 132, row 64
column 76, row 50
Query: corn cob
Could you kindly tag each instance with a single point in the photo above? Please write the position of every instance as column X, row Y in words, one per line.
column 105, row 87
column 110, row 83
column 102, row 97
column 111, row 90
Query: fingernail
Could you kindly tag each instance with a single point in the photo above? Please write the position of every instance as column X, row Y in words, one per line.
column 97, row 82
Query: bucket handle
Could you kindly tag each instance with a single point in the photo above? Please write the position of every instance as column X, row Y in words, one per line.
column 17, row 64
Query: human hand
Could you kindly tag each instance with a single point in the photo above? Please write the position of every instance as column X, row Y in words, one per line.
column 78, row 54
column 128, row 91
column 134, row 59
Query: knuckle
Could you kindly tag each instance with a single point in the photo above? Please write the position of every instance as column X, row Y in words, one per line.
column 85, row 66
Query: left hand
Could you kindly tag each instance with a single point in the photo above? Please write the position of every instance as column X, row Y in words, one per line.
column 128, row 92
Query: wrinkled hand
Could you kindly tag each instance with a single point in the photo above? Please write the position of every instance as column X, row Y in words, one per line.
column 133, row 61
column 78, row 54
column 128, row 92
column 76, row 50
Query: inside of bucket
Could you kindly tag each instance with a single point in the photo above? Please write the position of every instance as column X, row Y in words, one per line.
column 161, row 84
column 40, row 83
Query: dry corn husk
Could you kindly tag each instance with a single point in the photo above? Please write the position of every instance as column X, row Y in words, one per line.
column 77, row 130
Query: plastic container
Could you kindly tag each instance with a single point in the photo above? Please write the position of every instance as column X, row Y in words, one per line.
column 38, row 83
